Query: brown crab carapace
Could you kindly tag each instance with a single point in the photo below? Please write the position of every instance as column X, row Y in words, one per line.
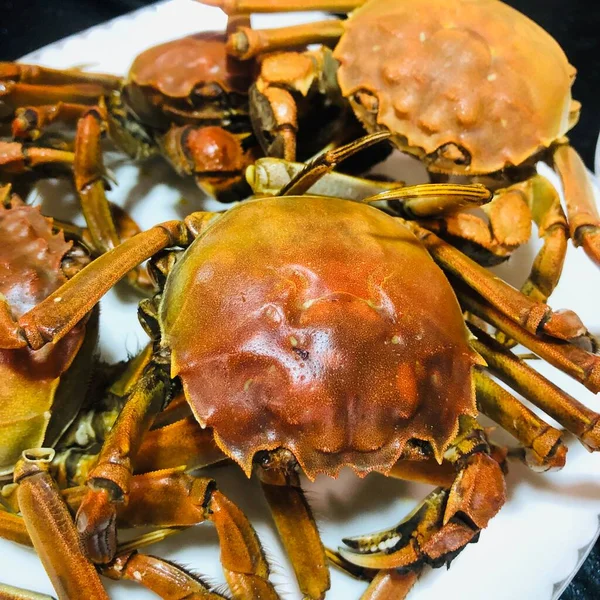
column 470, row 88
column 185, row 99
column 320, row 347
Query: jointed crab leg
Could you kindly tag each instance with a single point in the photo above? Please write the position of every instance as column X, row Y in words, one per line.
column 89, row 181
column 431, row 200
column 573, row 360
column 547, row 212
column 269, row 175
column 543, row 449
column 390, row 585
column 29, row 121
column 15, row 95
column 8, row 592
column 24, row 73
column 326, row 162
column 16, row 158
column 53, row 533
column 584, row 221
column 58, row 313
column 447, row 519
column 174, row 498
column 110, row 479
column 534, row 317
column 576, row 417
column 297, row 528
column 246, row 42
column 160, row 576
column 268, row 6
column 181, row 443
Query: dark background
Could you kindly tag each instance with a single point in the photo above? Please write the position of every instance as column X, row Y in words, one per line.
column 26, row 25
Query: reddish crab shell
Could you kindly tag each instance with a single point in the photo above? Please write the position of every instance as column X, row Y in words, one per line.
column 34, row 382
column 288, row 331
column 180, row 75
column 470, row 85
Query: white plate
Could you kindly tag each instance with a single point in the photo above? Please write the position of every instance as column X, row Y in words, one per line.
column 529, row 551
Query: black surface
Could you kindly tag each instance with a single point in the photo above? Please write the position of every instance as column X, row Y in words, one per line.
column 25, row 25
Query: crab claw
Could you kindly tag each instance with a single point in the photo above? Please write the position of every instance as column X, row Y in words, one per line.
column 421, row 538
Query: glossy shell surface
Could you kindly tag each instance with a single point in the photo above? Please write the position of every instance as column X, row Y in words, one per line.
column 458, row 74
column 30, row 270
column 177, row 67
column 319, row 325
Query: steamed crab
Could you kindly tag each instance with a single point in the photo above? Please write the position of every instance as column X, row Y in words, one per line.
column 185, row 99
column 471, row 88
column 333, row 354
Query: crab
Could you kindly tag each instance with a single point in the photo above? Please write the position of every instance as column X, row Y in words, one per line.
column 472, row 89
column 42, row 390
column 319, row 349
column 185, row 99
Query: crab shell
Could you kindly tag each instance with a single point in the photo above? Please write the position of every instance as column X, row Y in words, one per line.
column 471, row 86
column 318, row 325
column 38, row 399
column 174, row 73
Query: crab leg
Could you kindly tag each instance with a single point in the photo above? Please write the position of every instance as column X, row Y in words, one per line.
column 543, row 449
column 390, row 585
column 181, row 443
column 159, row 576
column 247, row 43
column 324, row 163
column 268, row 6
column 430, row 200
column 52, row 530
column 547, row 212
column 7, row 592
column 269, row 175
column 446, row 520
column 534, row 317
column 584, row 221
column 30, row 120
column 297, row 528
column 174, row 498
column 56, row 315
column 109, row 481
column 16, row 158
column 571, row 414
column 573, row 360
column 89, row 181
column 14, row 95
column 21, row 72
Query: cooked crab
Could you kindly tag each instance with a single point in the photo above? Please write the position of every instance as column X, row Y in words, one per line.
column 185, row 99
column 471, row 89
column 41, row 391
column 304, row 339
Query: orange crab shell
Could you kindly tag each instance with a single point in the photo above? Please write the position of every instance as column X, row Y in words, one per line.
column 30, row 270
column 177, row 67
column 322, row 326
column 175, row 70
column 450, row 75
